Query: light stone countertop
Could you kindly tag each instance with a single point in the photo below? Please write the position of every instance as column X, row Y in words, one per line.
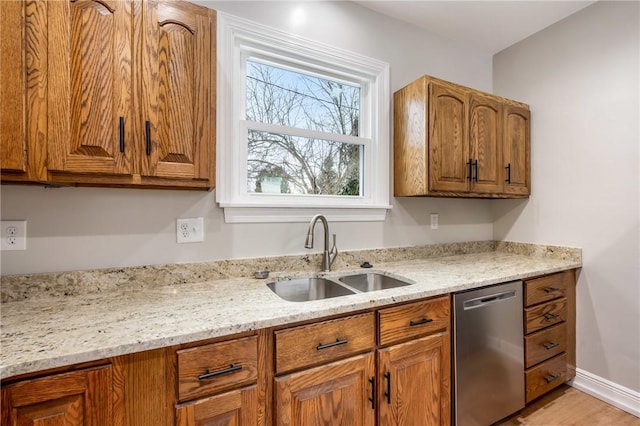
column 48, row 332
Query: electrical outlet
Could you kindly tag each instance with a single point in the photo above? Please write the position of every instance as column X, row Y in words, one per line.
column 434, row 220
column 14, row 235
column 190, row 230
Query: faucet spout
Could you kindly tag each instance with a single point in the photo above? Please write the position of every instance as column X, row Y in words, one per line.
column 328, row 257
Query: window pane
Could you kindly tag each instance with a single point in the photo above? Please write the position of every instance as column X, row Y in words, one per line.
column 286, row 164
column 284, row 97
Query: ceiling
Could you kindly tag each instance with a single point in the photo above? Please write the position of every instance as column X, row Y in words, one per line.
column 488, row 25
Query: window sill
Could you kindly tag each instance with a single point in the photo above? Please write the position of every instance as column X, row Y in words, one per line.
column 304, row 214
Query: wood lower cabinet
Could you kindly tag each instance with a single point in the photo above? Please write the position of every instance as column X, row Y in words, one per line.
column 108, row 92
column 453, row 141
column 550, row 331
column 235, row 408
column 338, row 393
column 79, row 398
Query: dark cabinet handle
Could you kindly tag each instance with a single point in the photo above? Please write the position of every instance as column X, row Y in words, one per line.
column 550, row 317
column 550, row 378
column 387, row 393
column 413, row 323
column 470, row 166
column 121, row 129
column 508, row 167
column 373, row 393
column 475, row 167
column 550, row 345
column 147, row 128
column 551, row 290
column 209, row 374
column 338, row 342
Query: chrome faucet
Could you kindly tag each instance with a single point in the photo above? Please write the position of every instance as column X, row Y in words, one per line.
column 327, row 256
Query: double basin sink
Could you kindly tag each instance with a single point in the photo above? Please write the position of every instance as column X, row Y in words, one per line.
column 317, row 288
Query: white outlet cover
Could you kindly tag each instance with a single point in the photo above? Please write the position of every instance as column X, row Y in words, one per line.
column 13, row 234
column 190, row 230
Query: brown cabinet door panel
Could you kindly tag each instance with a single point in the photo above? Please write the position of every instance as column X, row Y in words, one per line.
column 90, row 86
column 332, row 394
column 485, row 138
column 448, row 143
column 176, row 90
column 235, row 408
column 516, row 150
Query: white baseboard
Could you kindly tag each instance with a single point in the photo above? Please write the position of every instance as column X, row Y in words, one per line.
column 612, row 393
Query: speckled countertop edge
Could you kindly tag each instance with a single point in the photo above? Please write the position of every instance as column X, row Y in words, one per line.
column 51, row 331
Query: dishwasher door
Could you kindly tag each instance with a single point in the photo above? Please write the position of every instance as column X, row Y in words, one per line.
column 488, row 354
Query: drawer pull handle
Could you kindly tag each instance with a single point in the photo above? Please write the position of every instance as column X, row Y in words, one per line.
column 550, row 378
column 550, row 317
column 338, row 342
column 387, row 393
column 209, row 374
column 551, row 290
column 550, row 345
column 413, row 323
column 373, row 393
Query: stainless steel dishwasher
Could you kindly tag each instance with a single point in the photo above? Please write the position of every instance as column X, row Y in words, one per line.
column 488, row 354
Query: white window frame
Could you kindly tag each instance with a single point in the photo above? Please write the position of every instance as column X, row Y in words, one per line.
column 237, row 38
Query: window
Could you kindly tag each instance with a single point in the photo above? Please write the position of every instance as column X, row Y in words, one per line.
column 302, row 128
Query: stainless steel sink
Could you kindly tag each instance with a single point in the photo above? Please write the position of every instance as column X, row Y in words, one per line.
column 306, row 289
column 372, row 281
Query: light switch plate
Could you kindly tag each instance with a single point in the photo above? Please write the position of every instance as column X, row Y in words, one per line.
column 14, row 235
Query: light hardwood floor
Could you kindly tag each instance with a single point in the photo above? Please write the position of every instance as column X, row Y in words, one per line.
column 567, row 406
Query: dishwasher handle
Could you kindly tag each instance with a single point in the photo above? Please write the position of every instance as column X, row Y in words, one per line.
column 479, row 302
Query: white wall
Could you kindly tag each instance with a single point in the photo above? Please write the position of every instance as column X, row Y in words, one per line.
column 580, row 77
column 83, row 228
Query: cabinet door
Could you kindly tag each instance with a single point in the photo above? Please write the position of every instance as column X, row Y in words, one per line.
column 414, row 382
column 516, row 162
column 178, row 108
column 448, row 143
column 236, row 408
column 22, row 90
column 485, row 139
column 89, row 86
column 339, row 393
column 81, row 398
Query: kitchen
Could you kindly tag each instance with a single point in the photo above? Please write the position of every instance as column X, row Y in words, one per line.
column 580, row 79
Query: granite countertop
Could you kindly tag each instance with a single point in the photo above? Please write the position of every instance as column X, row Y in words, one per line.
column 60, row 328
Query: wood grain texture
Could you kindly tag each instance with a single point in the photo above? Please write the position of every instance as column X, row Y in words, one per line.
column 545, row 344
column 545, row 376
column 548, row 287
column 266, row 373
column 517, row 149
column 297, row 347
column 333, row 394
column 194, row 362
column 177, row 89
column 448, row 143
column 571, row 323
column 485, row 143
column 80, row 398
column 394, row 324
column 544, row 315
column 569, row 406
column 235, row 408
column 417, row 374
column 410, row 159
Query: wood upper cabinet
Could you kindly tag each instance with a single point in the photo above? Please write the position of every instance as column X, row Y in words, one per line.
column 80, row 398
column 23, row 105
column 90, row 86
column 108, row 92
column 339, row 393
column 453, row 141
column 177, row 86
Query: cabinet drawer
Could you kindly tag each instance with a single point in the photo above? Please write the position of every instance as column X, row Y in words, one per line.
column 541, row 316
column 545, row 344
column 412, row 320
column 546, row 288
column 210, row 368
column 546, row 376
column 323, row 342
